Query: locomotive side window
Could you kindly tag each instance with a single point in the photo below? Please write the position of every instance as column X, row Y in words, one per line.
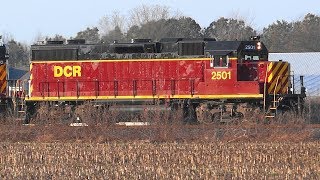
column 220, row 61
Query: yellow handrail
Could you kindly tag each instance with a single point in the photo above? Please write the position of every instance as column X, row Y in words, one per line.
column 265, row 90
column 274, row 91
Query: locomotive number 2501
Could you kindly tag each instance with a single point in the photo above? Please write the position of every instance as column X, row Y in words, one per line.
column 221, row 75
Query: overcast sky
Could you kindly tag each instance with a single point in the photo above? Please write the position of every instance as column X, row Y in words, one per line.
column 25, row 19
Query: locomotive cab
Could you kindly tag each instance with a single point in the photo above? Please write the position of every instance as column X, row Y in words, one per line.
column 238, row 65
column 251, row 56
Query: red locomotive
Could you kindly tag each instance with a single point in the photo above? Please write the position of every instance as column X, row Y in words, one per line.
column 211, row 80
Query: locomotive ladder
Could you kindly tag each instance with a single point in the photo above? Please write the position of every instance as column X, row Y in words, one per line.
column 19, row 99
column 272, row 111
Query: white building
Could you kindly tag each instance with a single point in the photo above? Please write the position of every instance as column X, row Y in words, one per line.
column 306, row 64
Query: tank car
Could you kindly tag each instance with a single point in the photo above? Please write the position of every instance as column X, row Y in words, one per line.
column 211, row 81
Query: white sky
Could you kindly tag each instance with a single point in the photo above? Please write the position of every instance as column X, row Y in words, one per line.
column 26, row 19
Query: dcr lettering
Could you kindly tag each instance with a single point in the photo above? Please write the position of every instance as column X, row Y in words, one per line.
column 67, row 71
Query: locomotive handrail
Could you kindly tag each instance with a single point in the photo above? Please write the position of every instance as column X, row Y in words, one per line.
column 16, row 92
column 58, row 88
column 192, row 87
column 44, row 87
column 115, row 85
column 274, row 91
column 173, row 87
column 154, row 87
column 97, row 87
column 293, row 88
column 265, row 91
column 134, row 87
column 78, row 90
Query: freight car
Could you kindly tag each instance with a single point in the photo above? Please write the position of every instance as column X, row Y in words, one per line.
column 6, row 104
column 12, row 90
column 211, row 81
column 3, row 77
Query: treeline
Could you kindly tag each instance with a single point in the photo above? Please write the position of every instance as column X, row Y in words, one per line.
column 156, row 22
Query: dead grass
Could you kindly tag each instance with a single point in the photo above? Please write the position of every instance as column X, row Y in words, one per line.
column 160, row 133
column 51, row 124
column 145, row 160
column 167, row 149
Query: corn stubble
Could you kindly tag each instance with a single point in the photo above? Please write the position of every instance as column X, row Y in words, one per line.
column 146, row 160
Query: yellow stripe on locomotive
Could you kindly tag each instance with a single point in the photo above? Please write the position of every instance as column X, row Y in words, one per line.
column 3, row 78
column 278, row 77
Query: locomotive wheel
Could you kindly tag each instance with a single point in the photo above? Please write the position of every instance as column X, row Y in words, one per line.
column 227, row 118
column 206, row 118
column 216, row 118
column 211, row 119
column 204, row 114
column 189, row 120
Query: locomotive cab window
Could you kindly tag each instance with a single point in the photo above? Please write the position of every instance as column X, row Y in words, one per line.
column 219, row 61
column 252, row 56
column 249, row 57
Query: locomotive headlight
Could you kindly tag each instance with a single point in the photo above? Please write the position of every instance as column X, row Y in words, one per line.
column 258, row 45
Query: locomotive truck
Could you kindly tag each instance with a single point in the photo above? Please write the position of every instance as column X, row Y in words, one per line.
column 211, row 81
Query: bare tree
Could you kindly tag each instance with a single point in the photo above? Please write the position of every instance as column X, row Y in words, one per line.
column 248, row 17
column 118, row 20
column 39, row 37
column 104, row 25
column 6, row 37
column 109, row 22
column 144, row 14
column 122, row 27
column 19, row 54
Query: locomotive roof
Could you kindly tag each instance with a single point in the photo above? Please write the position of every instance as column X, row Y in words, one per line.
column 226, row 47
column 211, row 43
column 223, row 45
column 176, row 47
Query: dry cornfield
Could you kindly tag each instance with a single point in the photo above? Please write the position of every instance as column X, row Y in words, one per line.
column 147, row 160
column 51, row 149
